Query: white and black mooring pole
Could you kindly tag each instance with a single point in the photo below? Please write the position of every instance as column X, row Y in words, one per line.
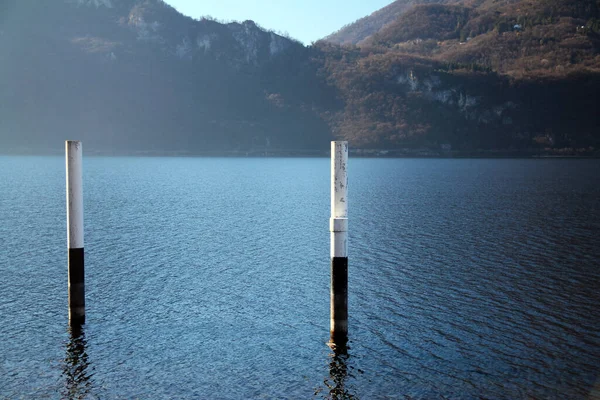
column 75, row 231
column 338, row 226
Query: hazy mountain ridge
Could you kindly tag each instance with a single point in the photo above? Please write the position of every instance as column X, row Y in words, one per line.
column 136, row 75
column 139, row 73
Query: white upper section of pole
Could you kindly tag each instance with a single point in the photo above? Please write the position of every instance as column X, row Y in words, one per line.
column 338, row 223
column 73, row 155
column 339, row 179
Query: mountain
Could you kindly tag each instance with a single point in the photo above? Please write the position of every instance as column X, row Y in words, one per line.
column 359, row 30
column 511, row 75
column 419, row 77
column 511, row 37
column 137, row 75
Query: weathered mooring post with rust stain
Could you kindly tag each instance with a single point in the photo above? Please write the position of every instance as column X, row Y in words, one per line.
column 73, row 155
column 338, row 226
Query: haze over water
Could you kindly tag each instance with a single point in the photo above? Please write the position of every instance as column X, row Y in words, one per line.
column 209, row 278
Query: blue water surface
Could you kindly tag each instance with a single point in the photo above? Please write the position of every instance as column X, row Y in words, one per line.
column 209, row 278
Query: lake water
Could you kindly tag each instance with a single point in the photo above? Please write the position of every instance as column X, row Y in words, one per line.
column 209, row 278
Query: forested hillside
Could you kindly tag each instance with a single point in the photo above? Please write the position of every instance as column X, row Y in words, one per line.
column 357, row 31
column 417, row 77
column 476, row 74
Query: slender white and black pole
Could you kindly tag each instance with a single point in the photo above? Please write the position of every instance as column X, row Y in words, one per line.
column 73, row 152
column 338, row 226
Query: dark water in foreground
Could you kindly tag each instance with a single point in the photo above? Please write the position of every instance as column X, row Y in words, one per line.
column 208, row 278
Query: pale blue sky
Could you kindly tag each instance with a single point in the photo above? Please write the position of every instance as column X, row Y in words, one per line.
column 305, row 20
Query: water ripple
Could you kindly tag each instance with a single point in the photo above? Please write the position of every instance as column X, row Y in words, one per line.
column 208, row 278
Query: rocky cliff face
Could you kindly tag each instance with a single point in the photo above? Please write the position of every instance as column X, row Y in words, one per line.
column 394, row 100
column 240, row 44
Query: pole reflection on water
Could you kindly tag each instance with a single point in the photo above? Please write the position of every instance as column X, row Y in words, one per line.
column 77, row 368
column 336, row 386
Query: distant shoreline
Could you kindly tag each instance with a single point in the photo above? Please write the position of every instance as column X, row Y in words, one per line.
column 355, row 153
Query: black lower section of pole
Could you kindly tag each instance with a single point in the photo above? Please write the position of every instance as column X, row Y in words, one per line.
column 339, row 300
column 76, row 286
